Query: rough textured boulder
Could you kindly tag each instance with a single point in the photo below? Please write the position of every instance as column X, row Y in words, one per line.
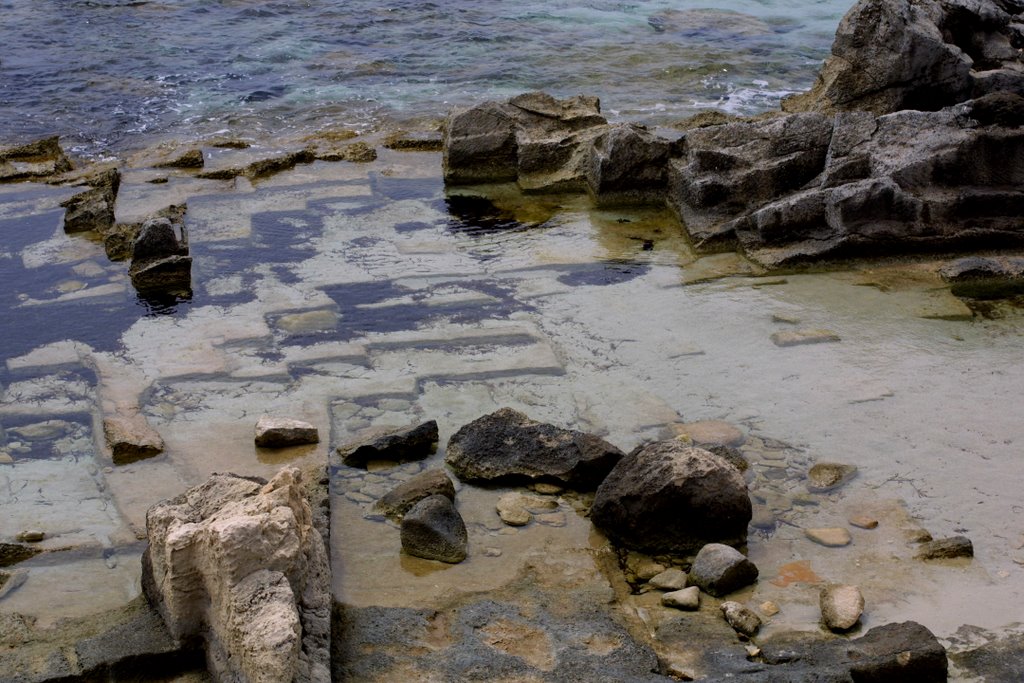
column 668, row 497
column 627, row 164
column 239, row 564
column 94, row 208
column 160, row 260
column 507, row 446
column 397, row 501
column 743, row 619
column 281, row 432
column 38, row 159
column 131, row 438
column 118, row 241
column 720, row 569
column 400, row 444
column 433, row 529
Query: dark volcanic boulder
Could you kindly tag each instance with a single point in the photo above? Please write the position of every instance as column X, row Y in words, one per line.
column 402, row 443
column 668, row 497
column 433, row 529
column 508, row 446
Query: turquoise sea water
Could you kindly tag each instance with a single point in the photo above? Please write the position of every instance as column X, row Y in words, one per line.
column 110, row 75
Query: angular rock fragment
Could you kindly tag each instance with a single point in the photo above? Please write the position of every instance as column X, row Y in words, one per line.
column 666, row 497
column 192, row 158
column 39, row 159
column 397, row 501
column 399, row 444
column 627, row 164
column 433, row 529
column 685, row 598
column 240, row 565
column 803, row 337
column 281, row 432
column 721, row 569
column 841, row 606
column 119, row 240
column 131, row 438
column 94, row 208
column 160, row 260
column 507, row 446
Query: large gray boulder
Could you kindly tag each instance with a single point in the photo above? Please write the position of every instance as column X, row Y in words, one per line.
column 666, row 497
column 508, row 447
column 239, row 564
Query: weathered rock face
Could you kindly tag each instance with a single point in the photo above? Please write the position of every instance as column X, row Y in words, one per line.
column 38, row 159
column 94, row 208
column 667, row 497
column 131, row 438
column 891, row 55
column 508, row 446
column 239, row 564
column 160, row 260
column 118, row 241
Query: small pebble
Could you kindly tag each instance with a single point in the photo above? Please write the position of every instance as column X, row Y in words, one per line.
column 31, row 536
column 687, row 599
column 831, row 537
column 768, row 608
column 547, row 489
column 752, row 650
column 864, row 522
column 492, row 552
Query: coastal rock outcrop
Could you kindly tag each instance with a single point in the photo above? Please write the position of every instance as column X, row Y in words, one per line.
column 239, row 564
column 666, row 497
column 39, row 159
column 160, row 260
column 508, row 446
column 94, row 208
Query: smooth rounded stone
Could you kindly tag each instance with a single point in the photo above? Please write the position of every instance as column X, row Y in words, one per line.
column 31, row 536
column 768, row 608
column 666, row 497
column 492, row 552
column 375, row 491
column 946, row 549
column 508, row 446
column 308, row 321
column 712, row 433
column 131, row 438
column 403, row 443
column 826, row 476
column 5, row 458
column 433, row 529
column 803, row 337
column 720, row 569
column 685, row 598
column 512, row 511
column 743, row 620
column 669, row 580
column 841, row 606
column 42, row 431
column 281, row 432
column 546, row 488
column 831, row 537
column 863, row 522
column 398, row 500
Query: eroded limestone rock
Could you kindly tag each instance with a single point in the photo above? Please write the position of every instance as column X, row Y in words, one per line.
column 281, row 432
column 131, row 438
column 94, row 208
column 39, row 159
column 239, row 564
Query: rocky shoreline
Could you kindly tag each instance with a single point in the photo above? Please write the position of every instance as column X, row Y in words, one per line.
column 882, row 157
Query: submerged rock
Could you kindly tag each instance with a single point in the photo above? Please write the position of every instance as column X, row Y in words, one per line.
column 400, row 444
column 841, row 606
column 416, row 141
column 131, row 438
column 668, row 497
column 39, row 159
column 721, row 569
column 985, row 277
column 508, row 446
column 397, row 501
column 240, row 565
column 13, row 553
column 946, row 548
column 282, row 432
column 826, row 476
column 433, row 529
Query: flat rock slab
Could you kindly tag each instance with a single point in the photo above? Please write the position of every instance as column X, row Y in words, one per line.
column 280, row 432
column 398, row 444
column 804, row 337
column 831, row 537
column 131, row 438
column 508, row 446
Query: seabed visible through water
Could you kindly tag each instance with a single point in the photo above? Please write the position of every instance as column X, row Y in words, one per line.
column 361, row 295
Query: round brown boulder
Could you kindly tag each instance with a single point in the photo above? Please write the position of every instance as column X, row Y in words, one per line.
column 668, row 497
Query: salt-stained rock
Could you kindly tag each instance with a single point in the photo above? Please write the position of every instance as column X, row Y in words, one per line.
column 668, row 497
column 685, row 598
column 841, row 606
column 946, row 548
column 433, row 529
column 131, row 438
column 669, row 580
column 720, row 569
column 743, row 620
column 508, row 446
column 397, row 501
column 280, row 432
column 402, row 443
column 240, row 565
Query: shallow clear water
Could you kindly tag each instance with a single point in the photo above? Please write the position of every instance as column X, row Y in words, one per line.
column 110, row 73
